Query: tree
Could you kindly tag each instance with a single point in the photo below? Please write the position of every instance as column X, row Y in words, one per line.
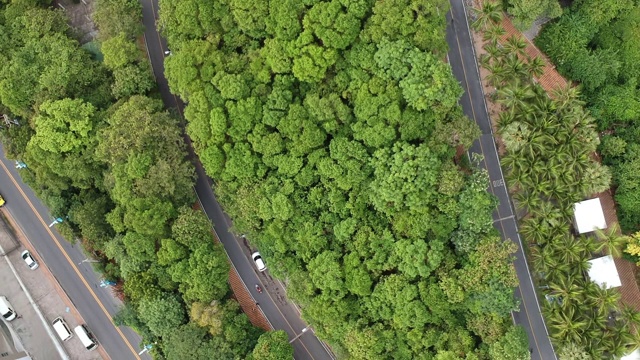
column 514, row 345
column 186, row 339
column 273, row 345
column 515, row 45
column 162, row 314
column 115, row 17
column 133, row 79
column 119, row 51
column 573, row 351
column 526, row 12
column 568, row 324
column 203, row 276
column 611, row 241
column 490, row 13
column 208, row 316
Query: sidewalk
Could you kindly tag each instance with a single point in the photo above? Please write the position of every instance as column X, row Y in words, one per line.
column 38, row 338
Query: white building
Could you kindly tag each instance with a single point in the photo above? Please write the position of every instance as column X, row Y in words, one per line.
column 589, row 216
column 604, row 273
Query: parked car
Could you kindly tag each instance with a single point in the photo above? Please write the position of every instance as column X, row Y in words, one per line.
column 257, row 258
column 1, row 201
column 31, row 262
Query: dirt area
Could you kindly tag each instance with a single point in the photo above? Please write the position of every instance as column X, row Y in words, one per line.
column 80, row 18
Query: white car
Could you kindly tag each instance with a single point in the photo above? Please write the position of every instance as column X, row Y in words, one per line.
column 31, row 262
column 259, row 262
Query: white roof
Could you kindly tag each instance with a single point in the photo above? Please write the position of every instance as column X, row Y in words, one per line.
column 604, row 273
column 635, row 355
column 589, row 216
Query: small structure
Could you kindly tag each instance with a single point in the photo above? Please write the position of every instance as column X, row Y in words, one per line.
column 589, row 216
column 604, row 273
column 635, row 355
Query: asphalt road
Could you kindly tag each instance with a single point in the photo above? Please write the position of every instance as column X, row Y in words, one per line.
column 79, row 281
column 463, row 63
column 281, row 313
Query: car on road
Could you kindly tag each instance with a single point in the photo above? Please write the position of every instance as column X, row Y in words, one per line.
column 257, row 258
column 31, row 262
column 1, row 201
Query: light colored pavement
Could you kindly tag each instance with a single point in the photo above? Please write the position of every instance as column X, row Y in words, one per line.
column 464, row 66
column 37, row 299
column 97, row 305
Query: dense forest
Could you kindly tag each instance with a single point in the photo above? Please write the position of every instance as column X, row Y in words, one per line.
column 104, row 155
column 550, row 142
column 595, row 43
column 331, row 130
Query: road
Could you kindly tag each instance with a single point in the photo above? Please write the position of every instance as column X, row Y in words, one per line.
column 463, row 63
column 79, row 281
column 281, row 313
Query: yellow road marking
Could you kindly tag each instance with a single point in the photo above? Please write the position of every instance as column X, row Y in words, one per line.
column 73, row 265
column 535, row 340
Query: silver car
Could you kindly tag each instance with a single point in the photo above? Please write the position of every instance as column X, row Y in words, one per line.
column 257, row 258
column 31, row 262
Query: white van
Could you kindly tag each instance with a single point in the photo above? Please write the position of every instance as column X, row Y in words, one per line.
column 62, row 329
column 6, row 310
column 86, row 337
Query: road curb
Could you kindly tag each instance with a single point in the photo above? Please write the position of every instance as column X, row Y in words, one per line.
column 24, row 240
column 61, row 351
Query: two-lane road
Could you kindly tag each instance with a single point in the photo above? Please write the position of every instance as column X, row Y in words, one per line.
column 77, row 278
column 463, row 63
column 280, row 312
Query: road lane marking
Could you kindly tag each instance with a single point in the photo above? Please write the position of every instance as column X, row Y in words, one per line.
column 259, row 280
column 214, row 230
column 258, row 277
column 73, row 265
column 504, row 218
column 524, row 304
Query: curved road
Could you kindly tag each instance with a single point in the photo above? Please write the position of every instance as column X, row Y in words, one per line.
column 281, row 313
column 77, row 278
column 463, row 64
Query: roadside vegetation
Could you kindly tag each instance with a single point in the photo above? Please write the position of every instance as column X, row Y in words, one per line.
column 104, row 156
column 596, row 44
column 550, row 142
column 331, row 129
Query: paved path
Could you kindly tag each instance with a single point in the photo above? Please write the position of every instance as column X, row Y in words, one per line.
column 463, row 62
column 281, row 313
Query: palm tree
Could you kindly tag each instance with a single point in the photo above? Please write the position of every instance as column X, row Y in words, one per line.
column 515, row 45
column 485, row 61
column 565, row 96
column 567, row 289
column 527, row 200
column 629, row 315
column 535, row 67
column 515, row 66
column 611, row 242
column 505, row 118
column 543, row 258
column 567, row 325
column 493, row 33
column 515, row 95
column 490, row 13
column 494, row 51
column 569, row 249
column 603, row 300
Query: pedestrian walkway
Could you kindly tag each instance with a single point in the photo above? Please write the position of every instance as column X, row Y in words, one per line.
column 550, row 80
column 247, row 303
